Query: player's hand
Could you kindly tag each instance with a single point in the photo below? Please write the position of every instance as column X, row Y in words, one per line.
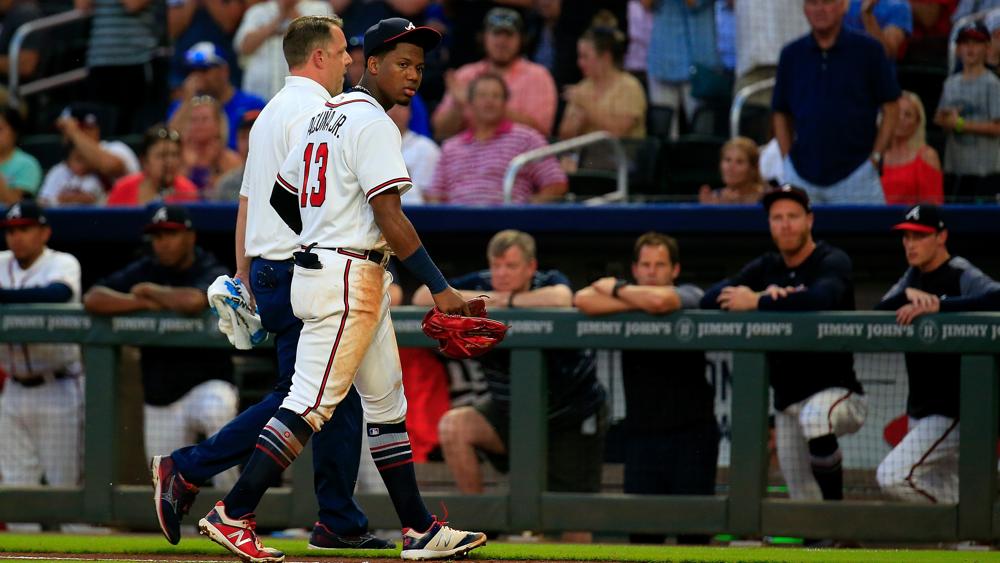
column 909, row 313
column 454, row 87
column 143, row 290
column 921, row 298
column 605, row 285
column 738, row 298
column 451, row 301
column 244, row 279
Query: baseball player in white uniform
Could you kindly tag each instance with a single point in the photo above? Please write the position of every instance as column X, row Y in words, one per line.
column 340, row 189
column 264, row 247
column 41, row 410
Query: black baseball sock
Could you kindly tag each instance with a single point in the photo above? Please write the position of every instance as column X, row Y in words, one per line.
column 825, row 457
column 390, row 447
column 280, row 442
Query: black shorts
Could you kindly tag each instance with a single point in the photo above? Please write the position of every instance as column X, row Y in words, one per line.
column 576, row 451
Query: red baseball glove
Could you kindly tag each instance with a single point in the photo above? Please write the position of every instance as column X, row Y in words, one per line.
column 464, row 337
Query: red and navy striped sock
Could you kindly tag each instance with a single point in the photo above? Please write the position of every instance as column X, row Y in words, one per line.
column 390, row 447
column 280, row 442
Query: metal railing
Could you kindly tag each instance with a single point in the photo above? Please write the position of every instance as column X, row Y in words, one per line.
column 621, row 160
column 740, row 100
column 744, row 510
column 15, row 91
column 953, row 35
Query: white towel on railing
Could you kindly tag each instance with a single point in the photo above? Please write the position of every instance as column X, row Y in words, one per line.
column 236, row 320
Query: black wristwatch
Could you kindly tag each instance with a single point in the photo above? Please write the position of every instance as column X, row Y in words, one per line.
column 618, row 285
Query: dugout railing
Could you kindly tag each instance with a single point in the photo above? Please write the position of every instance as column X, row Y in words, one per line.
column 744, row 511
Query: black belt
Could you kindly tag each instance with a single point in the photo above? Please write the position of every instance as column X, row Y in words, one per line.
column 41, row 379
column 370, row 255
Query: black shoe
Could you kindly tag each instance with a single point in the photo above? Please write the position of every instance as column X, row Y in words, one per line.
column 324, row 538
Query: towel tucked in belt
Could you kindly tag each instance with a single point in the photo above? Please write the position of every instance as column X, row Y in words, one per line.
column 236, row 320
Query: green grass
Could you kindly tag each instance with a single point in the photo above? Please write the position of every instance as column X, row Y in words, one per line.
column 149, row 546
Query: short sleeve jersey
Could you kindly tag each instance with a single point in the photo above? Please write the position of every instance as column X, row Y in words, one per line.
column 352, row 152
column 29, row 360
column 169, row 373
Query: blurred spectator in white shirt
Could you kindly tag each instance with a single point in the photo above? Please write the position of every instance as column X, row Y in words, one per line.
column 420, row 154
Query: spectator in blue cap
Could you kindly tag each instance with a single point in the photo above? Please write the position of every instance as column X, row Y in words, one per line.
column 208, row 74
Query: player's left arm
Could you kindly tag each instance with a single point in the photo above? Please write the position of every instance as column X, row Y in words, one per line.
column 820, row 295
column 56, row 292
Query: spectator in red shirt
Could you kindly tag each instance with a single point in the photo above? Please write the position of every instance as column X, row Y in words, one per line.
column 159, row 179
column 533, row 95
column 473, row 163
column 931, row 26
column 911, row 172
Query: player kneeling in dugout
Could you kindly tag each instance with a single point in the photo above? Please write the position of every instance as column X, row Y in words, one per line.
column 923, row 466
column 187, row 391
column 817, row 395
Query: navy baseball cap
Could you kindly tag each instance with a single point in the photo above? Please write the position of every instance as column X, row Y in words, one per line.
column 976, row 31
column 169, row 218
column 922, row 218
column 396, row 30
column 23, row 214
column 203, row 55
column 787, row 191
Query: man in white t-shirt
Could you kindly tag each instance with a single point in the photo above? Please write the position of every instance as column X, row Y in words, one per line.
column 106, row 160
column 420, row 154
column 41, row 409
column 258, row 42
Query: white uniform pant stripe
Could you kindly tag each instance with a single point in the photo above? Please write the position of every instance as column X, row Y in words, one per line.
column 366, row 353
column 923, row 467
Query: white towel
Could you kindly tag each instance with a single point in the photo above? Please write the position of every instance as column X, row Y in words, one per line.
column 236, row 320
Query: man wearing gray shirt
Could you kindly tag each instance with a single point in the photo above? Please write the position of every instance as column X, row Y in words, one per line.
column 970, row 112
column 672, row 439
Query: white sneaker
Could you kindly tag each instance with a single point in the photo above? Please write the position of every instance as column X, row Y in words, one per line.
column 439, row 542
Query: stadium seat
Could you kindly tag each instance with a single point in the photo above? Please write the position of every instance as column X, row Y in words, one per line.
column 645, row 165
column 690, row 162
column 48, row 149
column 755, row 123
column 658, row 120
column 711, row 118
column 924, row 81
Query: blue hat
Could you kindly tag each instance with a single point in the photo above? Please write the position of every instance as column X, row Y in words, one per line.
column 395, row 30
column 203, row 55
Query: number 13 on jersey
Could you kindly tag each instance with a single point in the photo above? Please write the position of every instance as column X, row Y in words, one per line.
column 315, row 154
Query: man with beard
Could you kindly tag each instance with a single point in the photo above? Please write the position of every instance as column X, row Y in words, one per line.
column 816, row 395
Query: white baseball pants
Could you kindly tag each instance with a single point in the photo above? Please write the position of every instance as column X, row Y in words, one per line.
column 347, row 337
column 41, row 433
column 836, row 411
column 923, row 467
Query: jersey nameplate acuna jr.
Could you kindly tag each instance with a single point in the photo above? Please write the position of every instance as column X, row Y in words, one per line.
column 350, row 154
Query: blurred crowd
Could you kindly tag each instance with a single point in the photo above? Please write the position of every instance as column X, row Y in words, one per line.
column 173, row 89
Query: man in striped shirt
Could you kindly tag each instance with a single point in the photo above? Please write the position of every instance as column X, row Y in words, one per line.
column 473, row 163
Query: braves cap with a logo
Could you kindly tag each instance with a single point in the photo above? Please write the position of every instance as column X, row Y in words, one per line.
column 922, row 218
column 23, row 214
column 396, row 30
column 169, row 218
column 787, row 191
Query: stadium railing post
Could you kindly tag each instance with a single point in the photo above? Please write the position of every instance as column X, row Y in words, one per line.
column 528, row 438
column 977, row 456
column 748, row 463
column 101, row 447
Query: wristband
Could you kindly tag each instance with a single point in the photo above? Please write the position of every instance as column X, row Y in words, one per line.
column 423, row 267
column 510, row 300
column 618, row 285
column 959, row 124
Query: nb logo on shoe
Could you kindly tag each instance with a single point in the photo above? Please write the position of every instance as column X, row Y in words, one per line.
column 238, row 539
column 373, row 432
